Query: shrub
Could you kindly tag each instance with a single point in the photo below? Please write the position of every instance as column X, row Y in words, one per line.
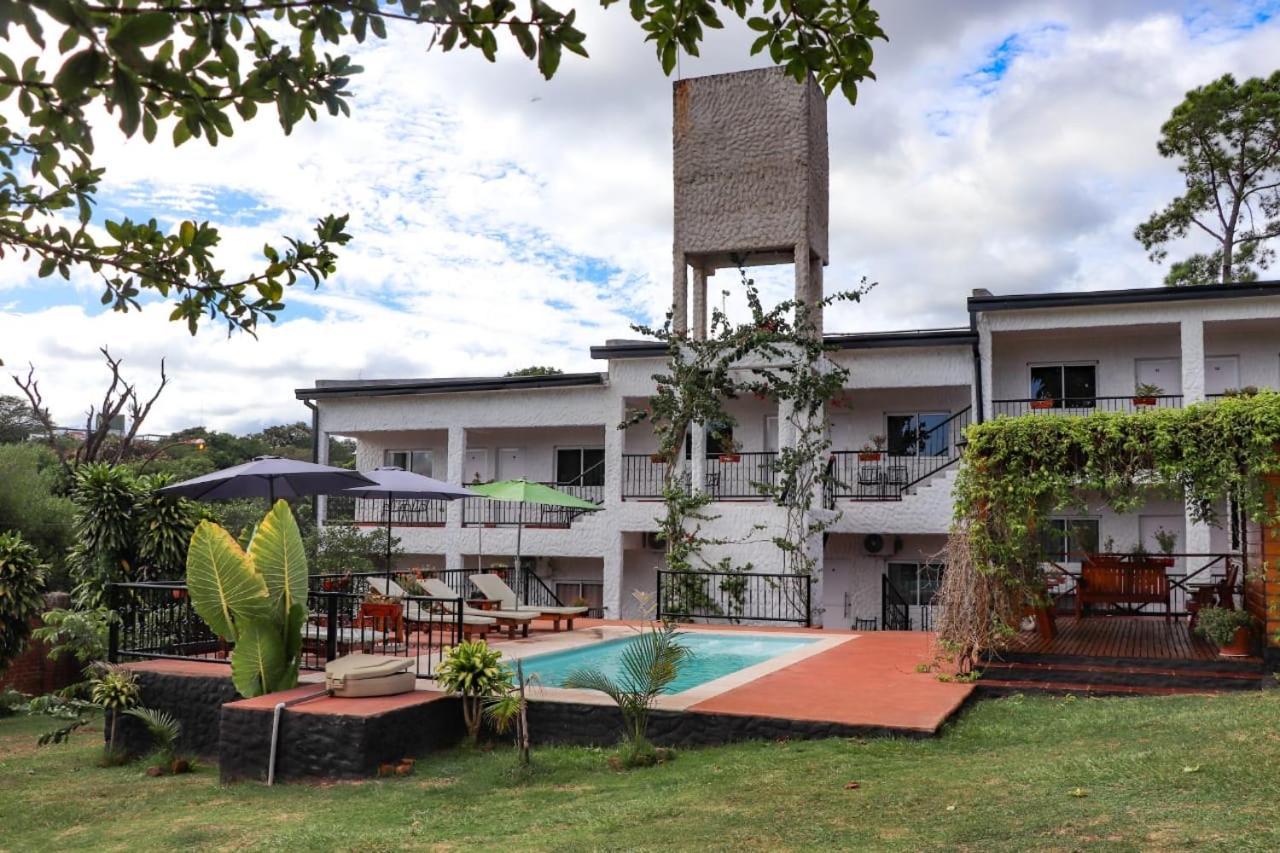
column 477, row 673
column 650, row 663
column 115, row 690
column 21, row 582
column 32, row 503
column 165, row 731
column 1218, row 625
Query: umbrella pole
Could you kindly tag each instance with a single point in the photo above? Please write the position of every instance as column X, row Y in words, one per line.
column 480, row 549
column 519, row 530
column 387, row 501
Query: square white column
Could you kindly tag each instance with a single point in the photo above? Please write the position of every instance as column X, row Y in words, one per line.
column 456, row 453
column 1192, row 361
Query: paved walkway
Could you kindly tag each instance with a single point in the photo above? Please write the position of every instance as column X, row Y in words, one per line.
column 868, row 681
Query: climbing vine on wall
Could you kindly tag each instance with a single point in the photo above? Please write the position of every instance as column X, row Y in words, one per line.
column 777, row 355
column 1017, row 471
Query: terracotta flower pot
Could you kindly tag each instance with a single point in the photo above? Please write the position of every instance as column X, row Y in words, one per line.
column 730, row 457
column 1042, row 404
column 869, row 456
column 1238, row 647
column 1144, row 401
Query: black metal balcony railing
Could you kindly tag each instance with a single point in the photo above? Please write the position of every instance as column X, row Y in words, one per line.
column 482, row 512
column 1084, row 405
column 741, row 476
column 405, row 512
column 861, row 475
column 643, row 476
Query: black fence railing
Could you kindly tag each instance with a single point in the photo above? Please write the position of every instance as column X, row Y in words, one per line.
column 529, row 587
column 643, row 476
column 1190, row 577
column 735, row 597
column 482, row 512
column 741, row 476
column 895, row 612
column 1084, row 405
column 862, row 475
column 157, row 621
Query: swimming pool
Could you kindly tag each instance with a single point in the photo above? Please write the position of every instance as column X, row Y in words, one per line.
column 714, row 655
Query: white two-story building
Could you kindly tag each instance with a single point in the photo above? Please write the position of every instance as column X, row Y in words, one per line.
column 1061, row 353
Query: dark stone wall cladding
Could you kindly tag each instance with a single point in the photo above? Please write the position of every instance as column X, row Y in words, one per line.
column 601, row 725
column 331, row 746
column 195, row 701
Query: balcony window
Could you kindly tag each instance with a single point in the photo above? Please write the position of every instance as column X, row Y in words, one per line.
column 918, row 582
column 917, row 434
column 1069, row 539
column 417, row 461
column 580, row 466
column 719, row 440
column 1072, row 386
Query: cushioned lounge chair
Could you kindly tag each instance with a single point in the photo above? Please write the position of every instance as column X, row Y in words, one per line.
column 494, row 588
column 415, row 613
column 509, row 619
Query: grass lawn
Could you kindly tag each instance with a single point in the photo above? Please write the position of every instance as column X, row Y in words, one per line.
column 1010, row 774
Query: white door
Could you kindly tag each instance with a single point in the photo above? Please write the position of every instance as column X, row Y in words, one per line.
column 511, row 463
column 1164, row 373
column 1221, row 373
column 476, row 468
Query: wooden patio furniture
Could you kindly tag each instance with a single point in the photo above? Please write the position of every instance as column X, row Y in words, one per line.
column 1114, row 580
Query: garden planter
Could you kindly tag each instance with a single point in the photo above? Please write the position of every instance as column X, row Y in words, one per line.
column 1164, row 562
column 657, row 458
column 1042, row 404
column 1238, row 647
column 869, row 456
column 178, row 594
column 730, row 457
column 1144, row 401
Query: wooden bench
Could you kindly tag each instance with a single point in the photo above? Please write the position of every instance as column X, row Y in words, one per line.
column 1111, row 580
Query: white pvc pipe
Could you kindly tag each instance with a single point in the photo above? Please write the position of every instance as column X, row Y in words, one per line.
column 275, row 729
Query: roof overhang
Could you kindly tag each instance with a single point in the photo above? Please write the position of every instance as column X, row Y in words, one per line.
column 330, row 389
column 1140, row 295
column 859, row 340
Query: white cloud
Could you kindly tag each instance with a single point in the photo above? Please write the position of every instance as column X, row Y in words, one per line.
column 502, row 221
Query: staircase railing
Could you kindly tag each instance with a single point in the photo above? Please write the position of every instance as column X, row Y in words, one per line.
column 884, row 476
column 895, row 612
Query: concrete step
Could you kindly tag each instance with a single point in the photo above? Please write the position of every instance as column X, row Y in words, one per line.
column 1104, row 676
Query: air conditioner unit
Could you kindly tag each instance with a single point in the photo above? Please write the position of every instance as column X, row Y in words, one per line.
column 654, row 542
column 873, row 544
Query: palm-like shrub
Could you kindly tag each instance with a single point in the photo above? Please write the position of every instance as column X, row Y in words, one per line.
column 164, row 730
column 255, row 597
column 650, row 663
column 116, row 690
column 477, row 673
column 21, row 581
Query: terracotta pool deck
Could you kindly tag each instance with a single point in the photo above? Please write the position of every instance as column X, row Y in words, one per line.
column 860, row 680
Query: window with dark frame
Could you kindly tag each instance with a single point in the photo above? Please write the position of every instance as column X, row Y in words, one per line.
column 1069, row 539
column 1071, row 386
column 580, row 466
column 917, row 434
column 417, row 461
column 918, row 582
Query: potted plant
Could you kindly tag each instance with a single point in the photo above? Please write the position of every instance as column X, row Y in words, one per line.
column 732, row 453
column 1167, row 540
column 1042, row 402
column 872, row 450
column 1226, row 629
column 1145, row 394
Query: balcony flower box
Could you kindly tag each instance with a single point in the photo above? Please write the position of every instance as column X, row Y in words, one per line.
column 1144, row 402
column 730, row 457
column 1042, row 404
column 869, row 455
column 657, row 458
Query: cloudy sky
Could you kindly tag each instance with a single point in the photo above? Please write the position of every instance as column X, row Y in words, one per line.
column 502, row 221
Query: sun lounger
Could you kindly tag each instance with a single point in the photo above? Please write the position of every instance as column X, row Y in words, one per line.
column 415, row 613
column 507, row 618
column 494, row 588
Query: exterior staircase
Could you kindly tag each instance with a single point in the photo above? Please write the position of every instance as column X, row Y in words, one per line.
column 1014, row 672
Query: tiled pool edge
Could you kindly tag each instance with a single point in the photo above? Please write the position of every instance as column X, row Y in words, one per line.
column 676, row 701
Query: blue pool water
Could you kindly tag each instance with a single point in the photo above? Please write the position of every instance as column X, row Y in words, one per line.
column 714, row 655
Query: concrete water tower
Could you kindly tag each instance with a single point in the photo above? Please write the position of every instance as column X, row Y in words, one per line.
column 751, row 174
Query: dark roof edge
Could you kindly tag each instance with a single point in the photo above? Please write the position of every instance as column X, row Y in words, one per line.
column 857, row 340
column 1121, row 297
column 397, row 388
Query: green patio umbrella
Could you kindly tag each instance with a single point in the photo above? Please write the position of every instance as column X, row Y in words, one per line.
column 525, row 492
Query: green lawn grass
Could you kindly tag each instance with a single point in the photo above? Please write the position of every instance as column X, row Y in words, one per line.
column 1017, row 773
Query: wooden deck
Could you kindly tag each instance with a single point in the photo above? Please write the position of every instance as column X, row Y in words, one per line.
column 1119, row 637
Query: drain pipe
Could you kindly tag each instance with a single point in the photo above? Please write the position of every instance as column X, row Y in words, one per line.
column 275, row 728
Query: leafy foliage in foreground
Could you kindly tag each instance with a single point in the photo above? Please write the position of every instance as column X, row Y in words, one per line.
column 194, row 70
column 21, row 582
column 255, row 597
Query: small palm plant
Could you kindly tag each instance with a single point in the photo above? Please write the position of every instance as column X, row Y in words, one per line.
column 650, row 663
column 510, row 710
column 477, row 673
column 165, row 731
column 115, row 690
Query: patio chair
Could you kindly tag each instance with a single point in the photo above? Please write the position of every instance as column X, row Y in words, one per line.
column 504, row 618
column 416, row 615
column 493, row 588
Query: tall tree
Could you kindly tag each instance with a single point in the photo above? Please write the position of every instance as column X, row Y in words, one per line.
column 1226, row 137
column 190, row 67
column 17, row 419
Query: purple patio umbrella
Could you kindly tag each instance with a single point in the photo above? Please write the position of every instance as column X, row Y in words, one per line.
column 394, row 483
column 268, row 477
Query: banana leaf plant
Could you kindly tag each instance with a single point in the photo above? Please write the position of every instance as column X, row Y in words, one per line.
column 254, row 597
